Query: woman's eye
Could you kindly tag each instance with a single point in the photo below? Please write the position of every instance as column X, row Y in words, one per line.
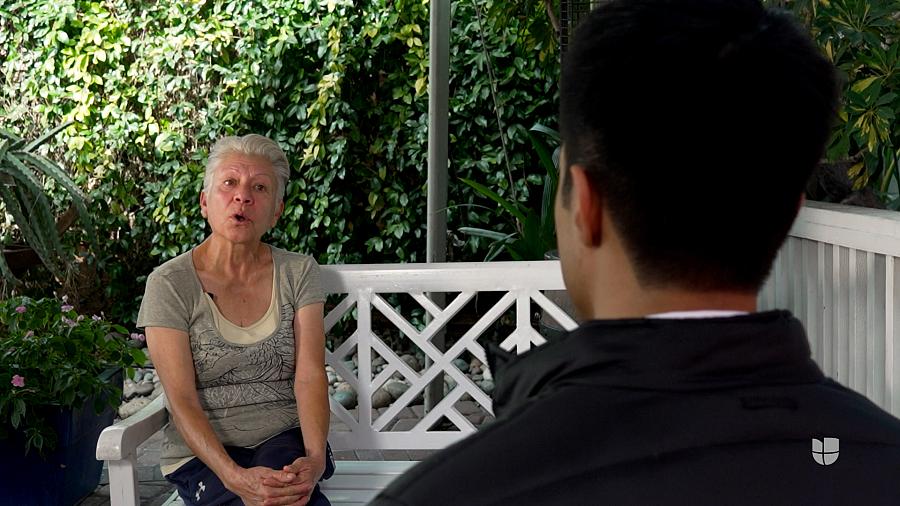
column 228, row 182
column 260, row 188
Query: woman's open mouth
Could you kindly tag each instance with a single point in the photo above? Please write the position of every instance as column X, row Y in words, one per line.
column 240, row 218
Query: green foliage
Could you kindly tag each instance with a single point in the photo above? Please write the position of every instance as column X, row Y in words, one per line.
column 51, row 357
column 862, row 38
column 535, row 233
column 341, row 85
column 22, row 173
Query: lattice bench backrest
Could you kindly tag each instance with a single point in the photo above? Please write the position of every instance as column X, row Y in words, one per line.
column 364, row 285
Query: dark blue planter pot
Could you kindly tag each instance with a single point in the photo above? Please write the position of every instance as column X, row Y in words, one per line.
column 64, row 476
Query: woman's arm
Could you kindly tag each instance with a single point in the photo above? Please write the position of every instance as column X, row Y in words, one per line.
column 171, row 354
column 311, row 384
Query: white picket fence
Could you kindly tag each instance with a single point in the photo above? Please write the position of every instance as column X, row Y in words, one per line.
column 839, row 273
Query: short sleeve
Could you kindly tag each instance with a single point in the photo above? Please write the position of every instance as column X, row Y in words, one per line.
column 308, row 289
column 163, row 305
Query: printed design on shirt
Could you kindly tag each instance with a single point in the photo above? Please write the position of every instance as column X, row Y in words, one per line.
column 230, row 375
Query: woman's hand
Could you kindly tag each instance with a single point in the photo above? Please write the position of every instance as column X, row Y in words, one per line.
column 304, row 473
column 262, row 486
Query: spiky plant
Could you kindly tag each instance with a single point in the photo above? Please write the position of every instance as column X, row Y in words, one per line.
column 23, row 174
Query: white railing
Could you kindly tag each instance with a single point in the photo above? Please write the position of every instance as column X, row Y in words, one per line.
column 839, row 274
column 366, row 288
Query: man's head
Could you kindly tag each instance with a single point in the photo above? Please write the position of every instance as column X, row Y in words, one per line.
column 695, row 125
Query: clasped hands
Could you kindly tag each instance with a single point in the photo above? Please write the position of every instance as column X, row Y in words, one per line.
column 292, row 485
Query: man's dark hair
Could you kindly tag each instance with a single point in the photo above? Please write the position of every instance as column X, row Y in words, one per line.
column 699, row 122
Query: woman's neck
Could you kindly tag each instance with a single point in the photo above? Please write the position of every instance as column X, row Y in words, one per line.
column 230, row 259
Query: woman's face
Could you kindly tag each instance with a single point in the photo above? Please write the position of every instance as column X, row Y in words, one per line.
column 240, row 205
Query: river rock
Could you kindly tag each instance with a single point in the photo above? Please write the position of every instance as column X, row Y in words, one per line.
column 411, row 361
column 461, row 364
column 346, row 398
column 143, row 388
column 381, row 399
column 133, row 406
column 396, row 388
column 128, row 389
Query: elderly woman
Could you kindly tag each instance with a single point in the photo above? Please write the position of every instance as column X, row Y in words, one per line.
column 235, row 330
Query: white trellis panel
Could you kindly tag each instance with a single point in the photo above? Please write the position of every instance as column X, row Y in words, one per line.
column 521, row 282
column 839, row 274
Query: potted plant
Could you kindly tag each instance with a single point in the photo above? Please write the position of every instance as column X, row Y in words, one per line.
column 23, row 174
column 60, row 381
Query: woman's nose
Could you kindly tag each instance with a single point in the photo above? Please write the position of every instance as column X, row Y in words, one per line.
column 242, row 194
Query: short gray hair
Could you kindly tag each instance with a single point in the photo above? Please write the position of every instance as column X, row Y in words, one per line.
column 250, row 145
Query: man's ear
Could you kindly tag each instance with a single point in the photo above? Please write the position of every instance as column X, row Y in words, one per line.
column 587, row 207
column 203, row 204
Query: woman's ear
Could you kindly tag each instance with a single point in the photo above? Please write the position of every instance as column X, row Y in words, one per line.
column 203, row 204
column 278, row 212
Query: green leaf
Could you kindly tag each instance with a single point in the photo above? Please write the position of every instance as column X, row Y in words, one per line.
column 490, row 234
column 510, row 207
column 861, row 85
column 47, row 136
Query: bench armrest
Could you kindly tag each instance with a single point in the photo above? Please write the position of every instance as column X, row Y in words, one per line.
column 118, row 441
column 118, row 444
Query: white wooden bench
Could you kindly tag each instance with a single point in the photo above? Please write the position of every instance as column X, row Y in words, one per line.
column 357, row 482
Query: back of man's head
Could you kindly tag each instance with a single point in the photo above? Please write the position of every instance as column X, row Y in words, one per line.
column 699, row 122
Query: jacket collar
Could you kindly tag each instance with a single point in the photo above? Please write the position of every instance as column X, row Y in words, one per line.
column 659, row 354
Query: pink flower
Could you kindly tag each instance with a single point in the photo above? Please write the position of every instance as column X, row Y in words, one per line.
column 28, row 334
column 68, row 321
column 96, row 318
column 65, row 298
column 80, row 318
column 18, row 381
column 20, row 309
column 66, row 308
column 138, row 337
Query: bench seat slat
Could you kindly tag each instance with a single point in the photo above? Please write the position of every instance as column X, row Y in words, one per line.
column 370, row 467
column 357, row 482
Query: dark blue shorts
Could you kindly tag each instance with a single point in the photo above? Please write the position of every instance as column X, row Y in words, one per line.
column 198, row 485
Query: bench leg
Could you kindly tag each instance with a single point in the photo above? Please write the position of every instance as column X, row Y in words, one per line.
column 123, row 484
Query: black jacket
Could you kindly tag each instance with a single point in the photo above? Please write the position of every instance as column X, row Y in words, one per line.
column 716, row 411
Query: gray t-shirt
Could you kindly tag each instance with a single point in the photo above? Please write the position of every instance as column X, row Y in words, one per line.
column 246, row 390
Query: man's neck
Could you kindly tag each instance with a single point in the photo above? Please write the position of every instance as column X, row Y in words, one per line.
column 640, row 303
